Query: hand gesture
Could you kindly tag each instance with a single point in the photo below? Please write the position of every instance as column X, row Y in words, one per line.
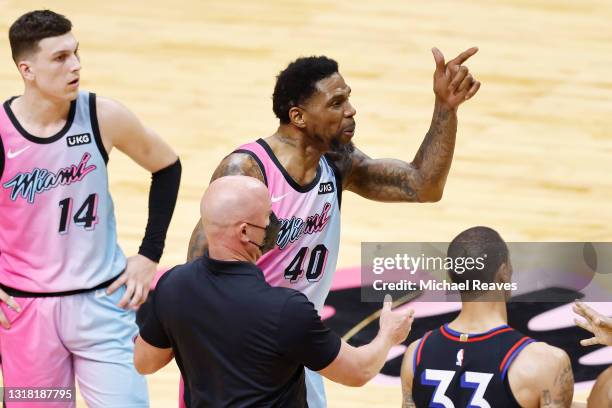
column 453, row 84
column 138, row 275
column 395, row 324
column 10, row 302
column 596, row 323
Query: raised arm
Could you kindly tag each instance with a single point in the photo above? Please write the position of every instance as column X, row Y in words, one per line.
column 423, row 179
column 234, row 164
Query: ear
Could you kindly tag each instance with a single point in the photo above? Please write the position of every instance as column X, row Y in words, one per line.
column 242, row 232
column 296, row 117
column 504, row 273
column 25, row 69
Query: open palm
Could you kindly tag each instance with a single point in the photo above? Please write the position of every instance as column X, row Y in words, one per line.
column 600, row 326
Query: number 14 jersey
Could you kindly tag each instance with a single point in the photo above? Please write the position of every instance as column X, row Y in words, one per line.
column 57, row 224
column 306, row 251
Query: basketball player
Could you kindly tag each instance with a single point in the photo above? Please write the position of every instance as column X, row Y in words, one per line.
column 310, row 160
column 477, row 360
column 67, row 290
column 601, row 328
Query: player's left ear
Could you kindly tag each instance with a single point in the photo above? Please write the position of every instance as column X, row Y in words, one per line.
column 296, row 117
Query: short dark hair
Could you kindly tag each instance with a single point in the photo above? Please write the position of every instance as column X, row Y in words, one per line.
column 296, row 83
column 29, row 29
column 477, row 242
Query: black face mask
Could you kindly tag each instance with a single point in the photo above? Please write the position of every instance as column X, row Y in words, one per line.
column 271, row 234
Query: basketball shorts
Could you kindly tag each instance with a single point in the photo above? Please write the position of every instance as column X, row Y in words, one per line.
column 87, row 336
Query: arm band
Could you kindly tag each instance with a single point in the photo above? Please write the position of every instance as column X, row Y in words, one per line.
column 162, row 199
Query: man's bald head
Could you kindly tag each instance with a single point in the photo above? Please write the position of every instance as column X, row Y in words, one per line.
column 230, row 201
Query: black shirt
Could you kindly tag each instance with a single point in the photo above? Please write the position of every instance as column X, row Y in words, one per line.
column 237, row 341
column 467, row 369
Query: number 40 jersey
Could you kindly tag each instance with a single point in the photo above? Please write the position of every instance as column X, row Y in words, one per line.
column 304, row 257
column 57, row 225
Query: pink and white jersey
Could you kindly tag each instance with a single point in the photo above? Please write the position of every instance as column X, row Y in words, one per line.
column 306, row 251
column 57, row 222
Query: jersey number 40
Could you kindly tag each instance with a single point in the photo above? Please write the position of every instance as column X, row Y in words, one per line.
column 316, row 264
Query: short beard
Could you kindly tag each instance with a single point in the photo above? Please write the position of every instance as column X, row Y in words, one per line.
column 342, row 149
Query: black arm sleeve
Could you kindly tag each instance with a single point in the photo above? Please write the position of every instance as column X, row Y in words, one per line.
column 162, row 199
column 303, row 337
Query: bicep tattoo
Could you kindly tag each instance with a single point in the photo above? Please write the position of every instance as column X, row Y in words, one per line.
column 562, row 391
column 233, row 165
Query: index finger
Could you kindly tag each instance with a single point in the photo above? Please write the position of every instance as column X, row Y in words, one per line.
column 461, row 58
column 586, row 312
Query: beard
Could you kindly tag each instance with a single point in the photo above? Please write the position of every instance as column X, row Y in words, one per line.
column 337, row 147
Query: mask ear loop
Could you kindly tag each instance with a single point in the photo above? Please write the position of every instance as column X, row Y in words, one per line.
column 253, row 242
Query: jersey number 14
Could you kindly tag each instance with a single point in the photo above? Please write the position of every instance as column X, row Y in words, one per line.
column 85, row 216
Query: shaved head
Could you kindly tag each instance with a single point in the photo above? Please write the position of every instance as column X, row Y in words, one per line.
column 229, row 204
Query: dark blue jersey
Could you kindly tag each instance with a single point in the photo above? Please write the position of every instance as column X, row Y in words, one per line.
column 463, row 370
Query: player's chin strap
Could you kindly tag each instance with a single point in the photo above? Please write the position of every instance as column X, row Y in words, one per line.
column 162, row 199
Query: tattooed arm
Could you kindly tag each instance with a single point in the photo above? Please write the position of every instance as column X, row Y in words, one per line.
column 541, row 376
column 561, row 391
column 407, row 375
column 233, row 165
column 424, row 178
column 394, row 180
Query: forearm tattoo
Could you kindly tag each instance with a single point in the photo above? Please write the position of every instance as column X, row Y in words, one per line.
column 407, row 401
column 396, row 180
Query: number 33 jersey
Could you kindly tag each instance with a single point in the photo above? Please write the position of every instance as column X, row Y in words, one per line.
column 57, row 223
column 459, row 370
column 306, row 251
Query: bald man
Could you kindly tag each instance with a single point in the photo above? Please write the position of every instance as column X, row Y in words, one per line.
column 237, row 340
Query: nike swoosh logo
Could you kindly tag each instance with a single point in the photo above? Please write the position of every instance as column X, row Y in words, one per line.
column 12, row 155
column 277, row 199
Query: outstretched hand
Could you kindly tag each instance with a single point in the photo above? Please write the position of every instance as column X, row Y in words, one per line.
column 599, row 325
column 395, row 323
column 453, row 83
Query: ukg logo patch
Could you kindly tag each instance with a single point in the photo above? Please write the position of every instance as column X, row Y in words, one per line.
column 78, row 140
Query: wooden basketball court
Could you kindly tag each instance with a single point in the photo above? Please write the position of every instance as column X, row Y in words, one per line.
column 533, row 149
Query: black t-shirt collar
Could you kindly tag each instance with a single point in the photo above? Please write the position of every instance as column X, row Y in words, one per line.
column 231, row 267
